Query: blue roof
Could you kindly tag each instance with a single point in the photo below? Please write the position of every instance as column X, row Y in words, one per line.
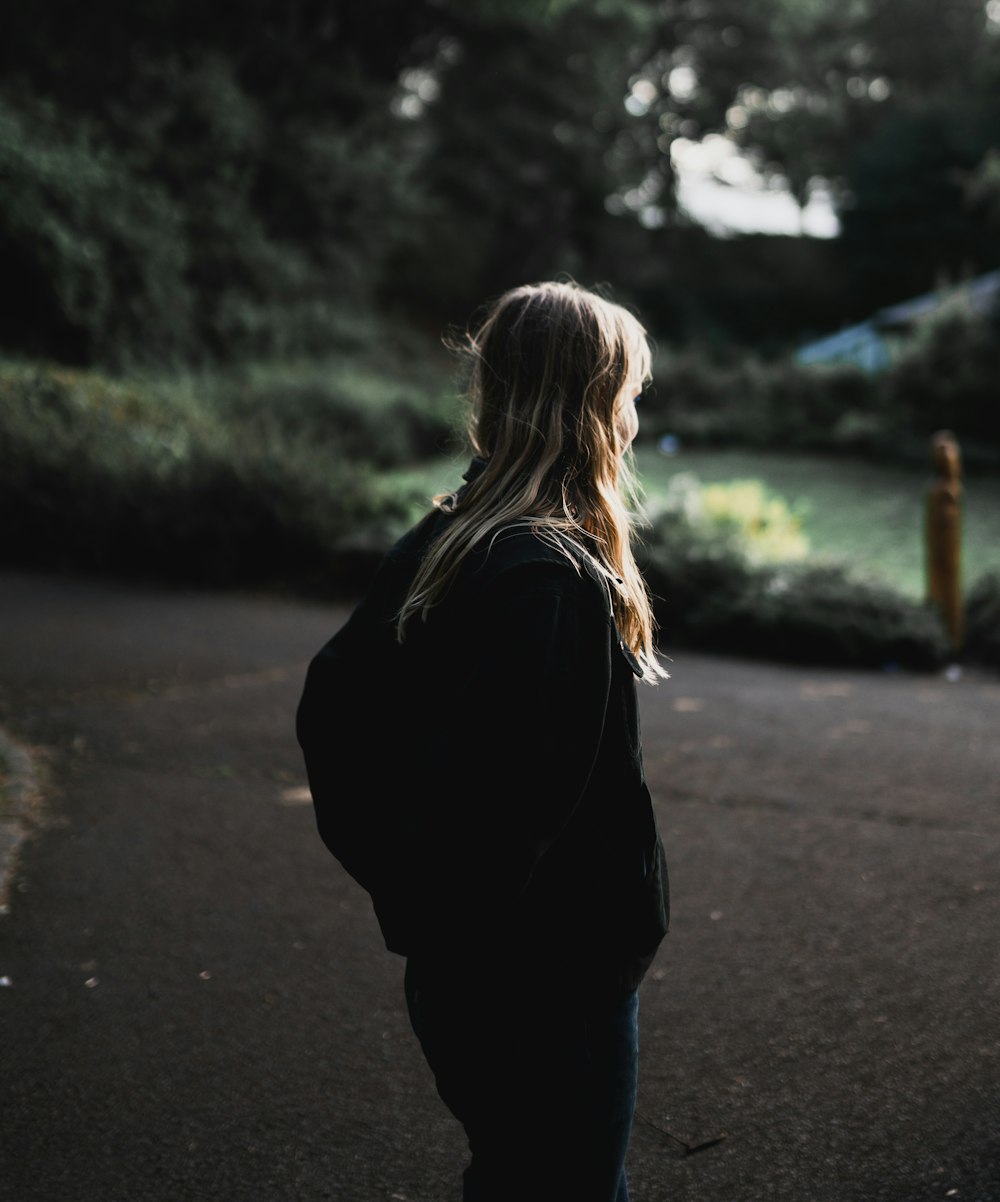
column 865, row 344
column 861, row 344
column 980, row 293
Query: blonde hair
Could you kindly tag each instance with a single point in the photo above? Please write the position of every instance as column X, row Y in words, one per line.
column 550, row 363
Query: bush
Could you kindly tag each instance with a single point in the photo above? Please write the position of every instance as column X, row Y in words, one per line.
column 982, row 621
column 709, row 595
column 157, row 480
column 350, row 409
column 950, row 379
column 820, row 614
column 263, row 478
column 750, row 401
column 945, row 378
column 693, row 574
column 189, row 223
column 97, row 257
column 760, row 523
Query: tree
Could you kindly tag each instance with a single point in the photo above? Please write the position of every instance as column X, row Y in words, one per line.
column 524, row 139
column 289, row 165
column 862, row 96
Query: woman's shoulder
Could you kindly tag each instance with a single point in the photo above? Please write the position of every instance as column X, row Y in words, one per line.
column 516, row 545
column 519, row 558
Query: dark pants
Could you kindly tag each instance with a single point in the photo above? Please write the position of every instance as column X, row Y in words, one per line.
column 544, row 1088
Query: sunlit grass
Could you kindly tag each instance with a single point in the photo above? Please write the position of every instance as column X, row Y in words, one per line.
column 867, row 514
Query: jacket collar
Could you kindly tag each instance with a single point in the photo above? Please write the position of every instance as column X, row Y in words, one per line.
column 475, row 469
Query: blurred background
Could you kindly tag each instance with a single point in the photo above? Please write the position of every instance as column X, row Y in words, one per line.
column 232, row 236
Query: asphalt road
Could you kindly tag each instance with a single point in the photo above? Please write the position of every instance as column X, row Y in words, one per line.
column 196, row 1003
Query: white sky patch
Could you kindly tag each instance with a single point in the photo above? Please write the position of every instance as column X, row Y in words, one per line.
column 682, row 82
column 721, row 189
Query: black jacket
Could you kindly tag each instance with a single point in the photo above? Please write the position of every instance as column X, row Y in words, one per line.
column 484, row 780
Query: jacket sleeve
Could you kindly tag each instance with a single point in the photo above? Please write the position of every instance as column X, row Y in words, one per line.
column 508, row 756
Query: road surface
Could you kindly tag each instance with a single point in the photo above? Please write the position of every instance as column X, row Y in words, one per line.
column 196, row 1003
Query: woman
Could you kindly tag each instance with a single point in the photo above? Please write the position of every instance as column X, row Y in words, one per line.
column 507, row 838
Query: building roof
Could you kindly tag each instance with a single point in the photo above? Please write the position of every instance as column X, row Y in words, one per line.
column 979, row 294
column 865, row 343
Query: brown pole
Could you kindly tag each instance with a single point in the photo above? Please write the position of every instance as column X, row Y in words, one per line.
column 944, row 534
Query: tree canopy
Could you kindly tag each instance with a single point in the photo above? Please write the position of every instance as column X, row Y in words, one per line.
column 181, row 181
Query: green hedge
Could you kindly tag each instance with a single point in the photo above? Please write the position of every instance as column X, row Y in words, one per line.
column 387, row 414
column 982, row 621
column 947, row 378
column 224, row 481
column 709, row 595
column 281, row 476
column 750, row 401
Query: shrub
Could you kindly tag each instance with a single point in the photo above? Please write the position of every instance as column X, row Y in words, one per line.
column 98, row 256
column 693, row 574
column 752, row 401
column 821, row 614
column 264, row 478
column 945, row 378
column 982, row 621
column 174, row 217
column 102, row 474
column 350, row 410
column 767, row 528
column 709, row 595
column 949, row 379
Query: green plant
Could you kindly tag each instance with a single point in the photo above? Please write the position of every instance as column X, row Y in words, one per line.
column 949, row 378
column 353, row 408
column 100, row 253
column 823, row 614
column 153, row 479
column 752, row 401
column 709, row 594
column 768, row 527
column 982, row 621
column 945, row 378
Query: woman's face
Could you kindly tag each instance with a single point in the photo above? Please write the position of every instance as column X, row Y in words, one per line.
column 626, row 418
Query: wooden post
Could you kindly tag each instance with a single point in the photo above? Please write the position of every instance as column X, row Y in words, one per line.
column 944, row 534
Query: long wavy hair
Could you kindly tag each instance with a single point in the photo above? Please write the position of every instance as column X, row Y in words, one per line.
column 552, row 368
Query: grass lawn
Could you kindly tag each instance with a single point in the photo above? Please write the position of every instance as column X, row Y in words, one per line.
column 866, row 513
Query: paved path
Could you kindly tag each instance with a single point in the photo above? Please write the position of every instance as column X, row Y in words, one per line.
column 199, row 1006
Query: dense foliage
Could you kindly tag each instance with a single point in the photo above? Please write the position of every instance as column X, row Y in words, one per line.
column 179, row 182
column 710, row 595
column 946, row 378
column 255, row 477
column 982, row 621
column 247, row 478
column 242, row 231
column 187, row 182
